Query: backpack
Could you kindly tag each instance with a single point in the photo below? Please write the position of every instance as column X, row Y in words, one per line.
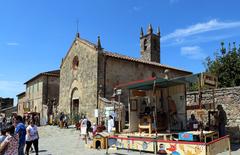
column 89, row 124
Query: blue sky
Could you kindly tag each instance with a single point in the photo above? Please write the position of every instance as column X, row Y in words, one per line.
column 36, row 35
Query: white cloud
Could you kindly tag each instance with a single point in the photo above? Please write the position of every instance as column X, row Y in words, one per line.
column 198, row 28
column 198, row 39
column 193, row 52
column 13, row 44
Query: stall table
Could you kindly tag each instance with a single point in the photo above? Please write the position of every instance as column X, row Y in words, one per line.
column 207, row 135
column 161, row 144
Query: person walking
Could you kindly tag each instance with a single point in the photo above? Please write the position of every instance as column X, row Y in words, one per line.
column 10, row 144
column 65, row 121
column 84, row 128
column 222, row 121
column 61, row 120
column 21, row 131
column 32, row 137
column 28, row 138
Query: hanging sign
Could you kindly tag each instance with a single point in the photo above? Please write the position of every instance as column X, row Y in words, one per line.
column 208, row 80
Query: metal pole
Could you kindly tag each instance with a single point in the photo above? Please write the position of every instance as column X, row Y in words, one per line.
column 199, row 92
column 168, row 116
column 98, row 95
column 155, row 116
column 119, row 115
column 213, row 99
column 107, row 148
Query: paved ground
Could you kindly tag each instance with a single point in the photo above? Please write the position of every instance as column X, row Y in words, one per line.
column 55, row 141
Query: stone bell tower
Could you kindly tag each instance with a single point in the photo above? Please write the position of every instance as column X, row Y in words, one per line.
column 150, row 45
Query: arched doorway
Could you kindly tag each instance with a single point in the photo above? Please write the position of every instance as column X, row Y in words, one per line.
column 74, row 107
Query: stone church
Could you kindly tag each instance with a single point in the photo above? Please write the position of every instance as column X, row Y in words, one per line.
column 88, row 71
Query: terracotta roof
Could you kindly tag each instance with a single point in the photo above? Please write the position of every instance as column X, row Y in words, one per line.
column 54, row 73
column 20, row 94
column 123, row 57
column 49, row 73
column 13, row 107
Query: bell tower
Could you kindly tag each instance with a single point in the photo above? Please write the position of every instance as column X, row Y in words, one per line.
column 150, row 45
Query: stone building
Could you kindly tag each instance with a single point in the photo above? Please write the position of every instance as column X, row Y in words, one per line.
column 229, row 98
column 7, row 112
column 6, row 103
column 88, row 71
column 42, row 92
column 21, row 103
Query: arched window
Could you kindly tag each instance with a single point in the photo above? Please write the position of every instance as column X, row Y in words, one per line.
column 75, row 62
column 145, row 44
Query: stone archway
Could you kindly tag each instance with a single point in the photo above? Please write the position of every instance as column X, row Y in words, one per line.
column 74, row 103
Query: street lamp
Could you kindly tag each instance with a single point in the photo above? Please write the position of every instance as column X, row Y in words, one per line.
column 119, row 93
column 96, row 111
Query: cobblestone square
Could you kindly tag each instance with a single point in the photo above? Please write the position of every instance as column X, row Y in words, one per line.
column 55, row 141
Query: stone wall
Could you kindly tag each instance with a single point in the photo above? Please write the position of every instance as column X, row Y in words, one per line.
column 229, row 98
column 121, row 72
column 38, row 92
column 34, row 97
column 97, row 73
column 8, row 111
column 51, row 88
column 79, row 82
column 20, row 103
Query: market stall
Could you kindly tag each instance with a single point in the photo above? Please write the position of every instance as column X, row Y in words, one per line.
column 173, row 147
column 158, row 123
column 157, row 104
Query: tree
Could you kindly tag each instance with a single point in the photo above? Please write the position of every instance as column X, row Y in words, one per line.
column 226, row 66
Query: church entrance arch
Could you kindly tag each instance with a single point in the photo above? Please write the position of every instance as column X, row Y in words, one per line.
column 75, row 101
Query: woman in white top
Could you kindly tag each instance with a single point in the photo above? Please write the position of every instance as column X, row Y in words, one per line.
column 84, row 126
column 32, row 137
column 110, row 124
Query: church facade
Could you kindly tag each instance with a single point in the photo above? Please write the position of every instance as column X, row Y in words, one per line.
column 88, row 71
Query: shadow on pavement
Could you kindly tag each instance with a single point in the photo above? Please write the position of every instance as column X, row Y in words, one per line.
column 40, row 151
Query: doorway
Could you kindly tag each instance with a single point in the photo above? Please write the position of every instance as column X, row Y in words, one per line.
column 75, row 108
